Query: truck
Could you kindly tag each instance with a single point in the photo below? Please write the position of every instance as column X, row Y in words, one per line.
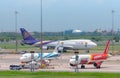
column 15, row 67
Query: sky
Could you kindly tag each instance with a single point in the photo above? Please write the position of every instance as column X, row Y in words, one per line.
column 59, row 15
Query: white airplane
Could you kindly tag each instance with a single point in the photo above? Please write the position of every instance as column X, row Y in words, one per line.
column 74, row 44
column 95, row 59
column 26, row 58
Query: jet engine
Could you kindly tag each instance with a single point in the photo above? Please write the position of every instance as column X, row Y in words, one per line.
column 44, row 47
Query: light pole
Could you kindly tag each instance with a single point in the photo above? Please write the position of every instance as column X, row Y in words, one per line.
column 113, row 31
column 32, row 61
column 16, row 31
column 76, row 60
column 41, row 33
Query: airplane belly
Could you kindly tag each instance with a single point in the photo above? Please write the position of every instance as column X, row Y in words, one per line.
column 83, row 61
column 51, row 44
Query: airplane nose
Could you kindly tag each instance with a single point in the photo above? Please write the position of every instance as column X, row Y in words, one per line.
column 94, row 44
column 72, row 61
column 22, row 59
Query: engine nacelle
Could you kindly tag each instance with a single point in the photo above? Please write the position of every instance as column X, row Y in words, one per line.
column 60, row 48
column 44, row 47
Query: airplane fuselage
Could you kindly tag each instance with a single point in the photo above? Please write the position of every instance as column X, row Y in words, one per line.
column 37, row 56
column 75, row 44
column 88, row 59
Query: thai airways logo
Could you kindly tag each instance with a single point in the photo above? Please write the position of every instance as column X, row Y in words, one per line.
column 25, row 34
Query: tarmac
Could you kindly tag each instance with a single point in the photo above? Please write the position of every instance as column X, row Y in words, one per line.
column 112, row 64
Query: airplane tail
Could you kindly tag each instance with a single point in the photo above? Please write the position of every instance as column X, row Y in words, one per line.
column 107, row 47
column 27, row 38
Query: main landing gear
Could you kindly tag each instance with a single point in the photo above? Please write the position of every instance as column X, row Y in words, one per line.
column 82, row 66
column 97, row 65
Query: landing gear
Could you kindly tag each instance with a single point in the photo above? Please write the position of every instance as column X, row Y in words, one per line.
column 97, row 65
column 82, row 66
column 87, row 51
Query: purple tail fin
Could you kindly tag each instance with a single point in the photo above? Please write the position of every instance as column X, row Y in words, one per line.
column 27, row 38
column 26, row 35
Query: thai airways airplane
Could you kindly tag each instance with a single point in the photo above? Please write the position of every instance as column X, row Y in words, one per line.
column 74, row 44
column 95, row 59
column 26, row 58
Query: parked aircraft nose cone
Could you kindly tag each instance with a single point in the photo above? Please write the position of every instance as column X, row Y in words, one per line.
column 93, row 44
column 22, row 59
column 72, row 61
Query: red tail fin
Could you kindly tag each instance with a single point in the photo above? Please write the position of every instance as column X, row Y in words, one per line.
column 107, row 47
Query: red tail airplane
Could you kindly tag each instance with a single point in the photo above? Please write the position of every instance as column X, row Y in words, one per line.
column 95, row 59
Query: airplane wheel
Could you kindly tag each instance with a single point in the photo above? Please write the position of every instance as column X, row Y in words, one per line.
column 98, row 67
column 88, row 51
column 82, row 66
